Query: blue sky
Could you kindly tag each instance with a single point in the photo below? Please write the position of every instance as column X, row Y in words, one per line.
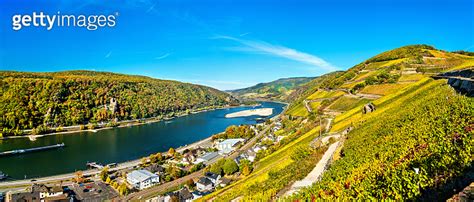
column 230, row 44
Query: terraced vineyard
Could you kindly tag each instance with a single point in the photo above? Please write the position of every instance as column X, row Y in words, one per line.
column 417, row 144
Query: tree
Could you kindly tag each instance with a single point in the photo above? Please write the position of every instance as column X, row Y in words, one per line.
column 79, row 177
column 144, row 161
column 217, row 167
column 197, row 167
column 171, row 151
column 123, row 189
column 245, row 163
column 230, row 167
column 246, row 170
column 190, row 183
column 104, row 174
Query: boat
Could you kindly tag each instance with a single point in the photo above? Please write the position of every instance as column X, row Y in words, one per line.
column 3, row 175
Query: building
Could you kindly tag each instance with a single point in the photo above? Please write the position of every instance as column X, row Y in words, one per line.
column 45, row 191
column 204, row 184
column 22, row 196
column 39, row 192
column 229, row 145
column 251, row 155
column 184, row 195
column 141, row 179
column 224, row 182
column 206, row 158
column 213, row 177
column 94, row 191
column 155, row 168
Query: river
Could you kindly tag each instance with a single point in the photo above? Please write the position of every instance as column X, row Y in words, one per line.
column 118, row 144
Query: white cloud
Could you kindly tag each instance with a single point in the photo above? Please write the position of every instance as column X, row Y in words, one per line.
column 108, row 54
column 279, row 51
column 245, row 34
column 163, row 56
column 151, row 8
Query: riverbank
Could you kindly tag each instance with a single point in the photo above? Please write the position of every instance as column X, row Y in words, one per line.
column 121, row 124
column 5, row 185
column 120, row 144
column 126, row 165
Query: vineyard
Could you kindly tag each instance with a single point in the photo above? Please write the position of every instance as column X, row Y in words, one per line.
column 415, row 149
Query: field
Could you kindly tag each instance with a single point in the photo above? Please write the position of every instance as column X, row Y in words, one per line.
column 467, row 63
column 346, row 103
column 315, row 105
column 411, row 77
column 383, row 89
column 298, row 110
column 354, row 116
column 325, row 94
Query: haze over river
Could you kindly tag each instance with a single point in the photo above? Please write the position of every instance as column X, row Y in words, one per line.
column 118, row 144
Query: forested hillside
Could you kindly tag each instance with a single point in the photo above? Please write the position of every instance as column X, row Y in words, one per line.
column 279, row 90
column 30, row 100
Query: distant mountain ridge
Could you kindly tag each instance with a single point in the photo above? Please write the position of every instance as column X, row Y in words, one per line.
column 278, row 90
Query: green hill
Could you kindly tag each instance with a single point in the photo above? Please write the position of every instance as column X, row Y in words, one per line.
column 383, row 74
column 29, row 100
column 276, row 90
column 417, row 145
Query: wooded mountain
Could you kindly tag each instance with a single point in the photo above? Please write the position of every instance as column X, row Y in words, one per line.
column 29, row 100
column 275, row 90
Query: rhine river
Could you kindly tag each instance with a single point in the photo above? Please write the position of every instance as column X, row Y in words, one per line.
column 118, row 144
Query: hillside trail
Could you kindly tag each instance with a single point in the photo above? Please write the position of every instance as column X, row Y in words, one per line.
column 322, row 164
column 317, row 172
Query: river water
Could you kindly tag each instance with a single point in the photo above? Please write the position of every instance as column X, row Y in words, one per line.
column 118, row 144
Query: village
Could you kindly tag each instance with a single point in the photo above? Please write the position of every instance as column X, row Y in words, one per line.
column 182, row 174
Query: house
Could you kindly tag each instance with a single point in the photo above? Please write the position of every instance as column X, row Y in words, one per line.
column 185, row 195
column 213, row 177
column 141, row 179
column 251, row 155
column 199, row 194
column 206, row 157
column 280, row 137
column 204, row 184
column 158, row 199
column 155, row 168
column 224, row 182
column 229, row 145
column 45, row 191
column 256, row 148
column 189, row 157
column 39, row 192
column 239, row 158
column 22, row 196
column 94, row 191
